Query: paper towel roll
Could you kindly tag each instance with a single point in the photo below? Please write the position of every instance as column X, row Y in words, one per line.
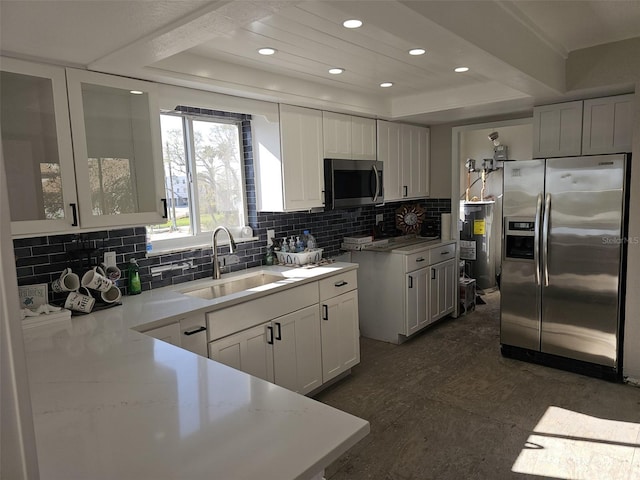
column 445, row 226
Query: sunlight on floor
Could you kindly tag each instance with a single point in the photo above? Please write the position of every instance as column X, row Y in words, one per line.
column 571, row 445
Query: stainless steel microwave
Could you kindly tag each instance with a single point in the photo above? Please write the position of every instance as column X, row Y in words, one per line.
column 350, row 183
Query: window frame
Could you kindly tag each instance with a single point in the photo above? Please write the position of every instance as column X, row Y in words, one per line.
column 200, row 239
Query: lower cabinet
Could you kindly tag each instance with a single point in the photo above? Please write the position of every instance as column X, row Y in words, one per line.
column 248, row 351
column 340, row 334
column 168, row 333
column 285, row 351
column 193, row 329
column 417, row 300
column 297, row 357
column 298, row 338
column 442, row 284
column 419, row 286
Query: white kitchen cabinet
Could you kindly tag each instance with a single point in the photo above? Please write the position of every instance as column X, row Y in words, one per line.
column 297, row 357
column 404, row 151
column 36, row 144
column 285, row 351
column 302, row 158
column 349, row 137
column 249, row 351
column 116, row 141
column 397, row 304
column 417, row 314
column 557, row 130
column 336, row 131
column 169, row 333
column 607, row 125
column 363, row 138
column 442, row 289
column 415, row 158
column 193, row 329
column 390, row 153
column 281, row 338
column 339, row 325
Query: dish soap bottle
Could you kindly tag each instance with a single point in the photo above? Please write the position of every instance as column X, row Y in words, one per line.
column 311, row 241
column 134, row 278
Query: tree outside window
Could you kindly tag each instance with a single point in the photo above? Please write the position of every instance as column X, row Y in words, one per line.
column 203, row 177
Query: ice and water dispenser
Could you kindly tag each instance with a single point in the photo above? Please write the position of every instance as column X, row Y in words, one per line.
column 520, row 237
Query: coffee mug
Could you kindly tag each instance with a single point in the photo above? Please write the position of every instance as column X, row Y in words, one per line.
column 68, row 282
column 112, row 295
column 112, row 272
column 96, row 279
column 80, row 302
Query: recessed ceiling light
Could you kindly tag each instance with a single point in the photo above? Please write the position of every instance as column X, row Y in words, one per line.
column 417, row 51
column 136, row 92
column 461, row 69
column 267, row 51
column 353, row 23
column 386, row 84
column 336, row 71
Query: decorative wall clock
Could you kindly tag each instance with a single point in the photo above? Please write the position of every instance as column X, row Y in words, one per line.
column 409, row 218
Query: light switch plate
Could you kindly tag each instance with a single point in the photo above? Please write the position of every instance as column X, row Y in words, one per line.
column 379, row 218
column 270, row 235
column 110, row 259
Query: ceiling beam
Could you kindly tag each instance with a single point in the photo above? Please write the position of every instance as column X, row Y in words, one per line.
column 215, row 18
column 526, row 60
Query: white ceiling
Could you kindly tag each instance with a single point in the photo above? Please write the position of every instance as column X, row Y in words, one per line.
column 516, row 50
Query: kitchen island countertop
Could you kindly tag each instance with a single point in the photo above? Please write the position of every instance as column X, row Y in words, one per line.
column 110, row 402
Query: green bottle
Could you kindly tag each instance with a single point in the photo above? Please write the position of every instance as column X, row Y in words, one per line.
column 134, row 278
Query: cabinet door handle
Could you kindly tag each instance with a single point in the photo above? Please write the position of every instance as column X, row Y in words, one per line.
column 419, row 259
column 341, row 283
column 410, row 281
column 405, row 191
column 433, row 274
column 279, row 330
column 164, row 207
column 195, row 330
column 74, row 212
column 270, row 335
column 444, row 253
column 325, row 312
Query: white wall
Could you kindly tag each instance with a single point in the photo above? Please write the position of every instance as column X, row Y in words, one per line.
column 18, row 458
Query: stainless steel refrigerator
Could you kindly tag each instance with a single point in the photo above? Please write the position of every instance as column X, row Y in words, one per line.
column 562, row 283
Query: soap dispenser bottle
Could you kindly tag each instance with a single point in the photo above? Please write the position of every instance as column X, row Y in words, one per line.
column 134, row 278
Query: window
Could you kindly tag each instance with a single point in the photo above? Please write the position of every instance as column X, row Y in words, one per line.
column 203, row 180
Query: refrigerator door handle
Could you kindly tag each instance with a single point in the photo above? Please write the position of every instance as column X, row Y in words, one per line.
column 545, row 238
column 536, row 238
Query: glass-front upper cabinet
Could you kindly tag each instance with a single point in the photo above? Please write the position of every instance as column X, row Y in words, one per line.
column 116, row 141
column 36, row 146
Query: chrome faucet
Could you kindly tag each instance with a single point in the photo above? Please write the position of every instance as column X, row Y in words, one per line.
column 214, row 244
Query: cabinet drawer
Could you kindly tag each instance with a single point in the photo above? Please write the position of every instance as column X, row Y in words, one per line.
column 440, row 254
column 254, row 312
column 417, row 260
column 341, row 283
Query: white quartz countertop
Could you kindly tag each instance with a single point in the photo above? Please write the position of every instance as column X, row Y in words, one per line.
column 404, row 245
column 112, row 403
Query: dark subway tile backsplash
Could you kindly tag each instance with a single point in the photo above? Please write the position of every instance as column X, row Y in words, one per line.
column 41, row 259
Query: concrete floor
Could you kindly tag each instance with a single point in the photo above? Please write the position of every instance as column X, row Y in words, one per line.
column 447, row 405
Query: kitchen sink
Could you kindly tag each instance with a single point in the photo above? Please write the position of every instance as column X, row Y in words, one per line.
column 221, row 289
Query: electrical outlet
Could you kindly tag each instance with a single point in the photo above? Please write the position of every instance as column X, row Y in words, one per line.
column 270, row 236
column 379, row 218
column 110, row 259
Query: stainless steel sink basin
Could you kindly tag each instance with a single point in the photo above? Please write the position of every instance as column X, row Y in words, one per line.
column 232, row 286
